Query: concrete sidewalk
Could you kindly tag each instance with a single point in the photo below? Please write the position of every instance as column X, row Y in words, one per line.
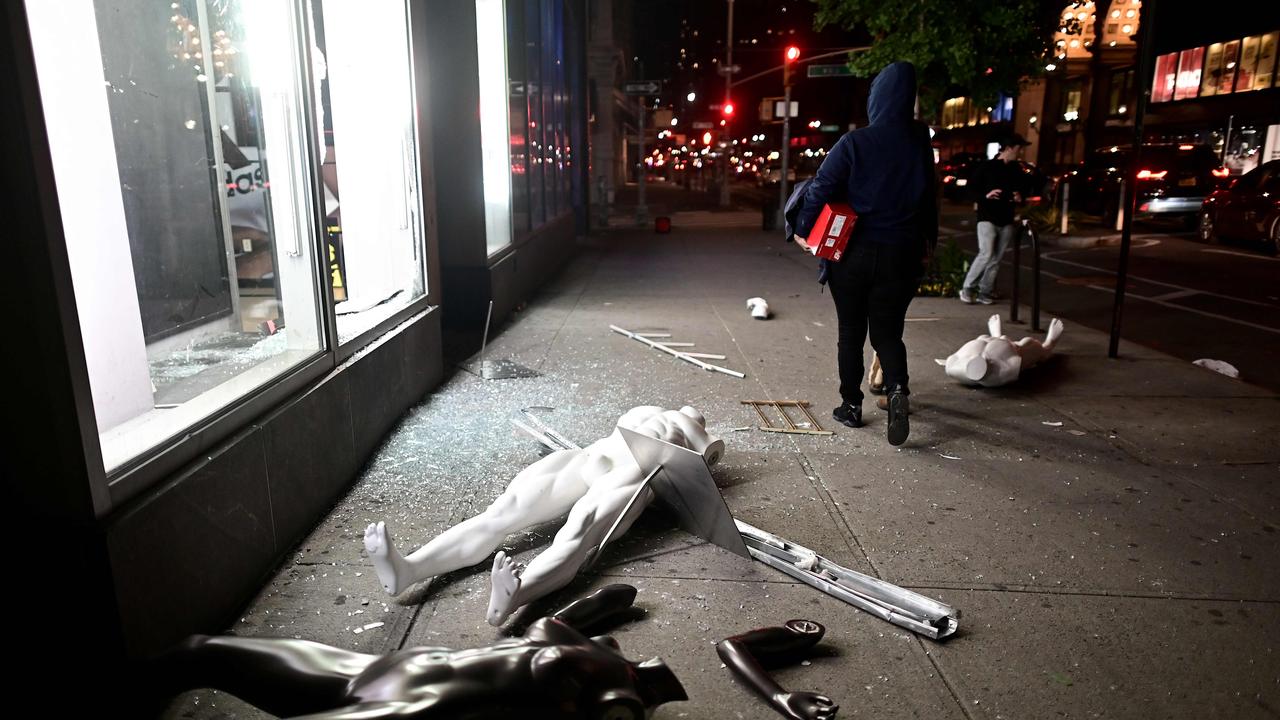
column 1107, row 527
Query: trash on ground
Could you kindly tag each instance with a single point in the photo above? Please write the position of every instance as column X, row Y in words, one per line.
column 1218, row 366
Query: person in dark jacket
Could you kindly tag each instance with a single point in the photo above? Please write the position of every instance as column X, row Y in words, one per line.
column 885, row 173
column 1001, row 186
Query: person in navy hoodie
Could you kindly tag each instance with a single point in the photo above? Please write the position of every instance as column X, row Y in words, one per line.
column 884, row 171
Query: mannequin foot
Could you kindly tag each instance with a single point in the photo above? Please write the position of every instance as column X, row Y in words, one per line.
column 392, row 569
column 504, row 582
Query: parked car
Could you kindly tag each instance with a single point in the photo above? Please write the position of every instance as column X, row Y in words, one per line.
column 1248, row 209
column 1174, row 180
column 956, row 173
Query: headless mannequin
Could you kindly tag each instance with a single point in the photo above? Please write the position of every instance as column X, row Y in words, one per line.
column 553, row 671
column 993, row 360
column 591, row 484
column 743, row 654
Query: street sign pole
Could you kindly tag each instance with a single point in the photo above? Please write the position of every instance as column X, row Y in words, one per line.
column 728, row 85
column 642, row 210
column 786, row 147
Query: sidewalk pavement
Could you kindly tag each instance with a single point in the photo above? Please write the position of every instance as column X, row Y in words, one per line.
column 1107, row 527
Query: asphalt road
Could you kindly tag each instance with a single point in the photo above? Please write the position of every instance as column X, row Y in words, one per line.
column 1186, row 298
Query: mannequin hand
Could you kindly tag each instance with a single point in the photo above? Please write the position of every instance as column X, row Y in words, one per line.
column 808, row 706
column 994, row 194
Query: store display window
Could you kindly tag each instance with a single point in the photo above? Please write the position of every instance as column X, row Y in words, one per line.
column 225, row 170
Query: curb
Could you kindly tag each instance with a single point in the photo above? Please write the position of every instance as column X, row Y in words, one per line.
column 1076, row 242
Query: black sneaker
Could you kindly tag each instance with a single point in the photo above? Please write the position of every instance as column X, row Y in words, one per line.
column 899, row 416
column 848, row 414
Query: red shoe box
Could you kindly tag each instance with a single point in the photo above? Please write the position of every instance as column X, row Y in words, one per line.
column 831, row 232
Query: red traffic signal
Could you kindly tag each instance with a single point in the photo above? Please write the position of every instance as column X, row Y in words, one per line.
column 706, row 138
column 727, row 109
column 789, row 58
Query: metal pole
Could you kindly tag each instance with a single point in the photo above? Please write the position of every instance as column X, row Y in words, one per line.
column 642, row 210
column 1226, row 141
column 728, row 84
column 1066, row 195
column 1121, row 207
column 786, row 151
column 1035, row 278
column 1147, row 50
column 1017, row 272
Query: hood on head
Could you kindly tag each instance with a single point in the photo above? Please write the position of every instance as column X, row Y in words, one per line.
column 893, row 94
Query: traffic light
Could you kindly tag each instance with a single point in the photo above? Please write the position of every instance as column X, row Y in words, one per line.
column 788, row 59
column 727, row 109
column 706, row 138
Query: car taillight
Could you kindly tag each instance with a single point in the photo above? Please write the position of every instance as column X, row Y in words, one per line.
column 1152, row 174
column 1221, row 172
column 948, row 178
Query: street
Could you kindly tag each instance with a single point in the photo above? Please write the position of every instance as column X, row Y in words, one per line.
column 1186, row 298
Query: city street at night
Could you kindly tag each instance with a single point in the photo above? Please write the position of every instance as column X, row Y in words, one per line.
column 642, row 359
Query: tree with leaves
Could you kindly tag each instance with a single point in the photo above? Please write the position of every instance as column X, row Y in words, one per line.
column 982, row 47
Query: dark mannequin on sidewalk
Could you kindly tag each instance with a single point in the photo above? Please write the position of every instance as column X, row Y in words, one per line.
column 553, row 671
column 748, row 654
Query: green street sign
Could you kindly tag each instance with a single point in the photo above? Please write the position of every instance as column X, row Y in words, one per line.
column 840, row 70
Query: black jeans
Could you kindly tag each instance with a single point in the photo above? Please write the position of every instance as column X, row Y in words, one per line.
column 872, row 286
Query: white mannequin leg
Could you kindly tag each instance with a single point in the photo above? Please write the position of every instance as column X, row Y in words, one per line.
column 1033, row 351
column 994, row 329
column 541, row 492
column 588, row 522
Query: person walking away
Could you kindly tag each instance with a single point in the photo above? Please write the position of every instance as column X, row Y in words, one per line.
column 884, row 171
column 1000, row 187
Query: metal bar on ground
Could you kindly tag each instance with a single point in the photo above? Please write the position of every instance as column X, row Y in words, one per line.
column 626, row 511
column 887, row 601
column 682, row 355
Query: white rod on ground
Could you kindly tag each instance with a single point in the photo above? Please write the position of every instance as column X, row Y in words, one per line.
column 484, row 340
column 706, row 356
column 682, row 355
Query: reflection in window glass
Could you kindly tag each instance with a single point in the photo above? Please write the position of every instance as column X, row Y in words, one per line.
column 361, row 76
column 179, row 146
column 534, row 89
column 494, row 132
column 519, row 118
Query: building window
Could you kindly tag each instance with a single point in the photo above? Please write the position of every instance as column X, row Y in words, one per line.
column 201, row 151
column 1072, row 96
column 495, row 131
column 1190, row 64
column 364, row 90
column 1265, row 76
column 1211, row 78
column 1165, row 78
column 541, row 99
column 1257, row 63
column 1121, row 93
